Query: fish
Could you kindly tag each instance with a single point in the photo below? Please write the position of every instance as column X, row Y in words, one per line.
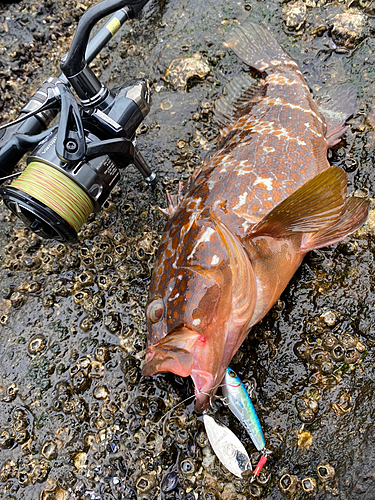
column 238, row 231
column 240, row 404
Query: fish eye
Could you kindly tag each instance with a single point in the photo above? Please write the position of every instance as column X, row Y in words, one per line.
column 232, row 374
column 155, row 310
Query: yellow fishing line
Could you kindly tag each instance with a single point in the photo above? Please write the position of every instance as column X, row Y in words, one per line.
column 57, row 191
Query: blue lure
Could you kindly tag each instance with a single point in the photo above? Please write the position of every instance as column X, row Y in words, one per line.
column 241, row 406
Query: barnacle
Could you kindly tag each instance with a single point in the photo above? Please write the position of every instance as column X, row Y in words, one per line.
column 264, row 477
column 102, row 353
column 307, row 416
column 23, row 478
column 308, row 485
column 101, row 392
column 112, row 322
column 211, row 494
column 6, row 439
column 22, row 436
column 34, row 287
column 86, row 324
column 145, row 483
column 140, row 405
column 49, row 450
column 96, row 370
column 328, row 342
column 84, row 279
column 17, row 299
column 325, row 472
column 288, row 484
column 37, row 344
column 80, row 381
column 188, row 466
column 8, row 470
column 9, row 393
column 338, row 352
column 98, row 300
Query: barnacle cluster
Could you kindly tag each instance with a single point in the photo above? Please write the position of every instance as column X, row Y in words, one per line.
column 329, row 355
column 289, row 484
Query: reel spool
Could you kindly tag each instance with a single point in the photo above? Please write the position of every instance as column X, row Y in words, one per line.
column 48, row 202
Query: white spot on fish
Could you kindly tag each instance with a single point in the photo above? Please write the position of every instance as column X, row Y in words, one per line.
column 203, row 239
column 196, row 322
column 175, row 297
column 215, row 260
column 307, row 125
column 267, row 182
column 241, row 201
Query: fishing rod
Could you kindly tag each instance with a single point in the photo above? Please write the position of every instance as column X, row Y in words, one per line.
column 74, row 166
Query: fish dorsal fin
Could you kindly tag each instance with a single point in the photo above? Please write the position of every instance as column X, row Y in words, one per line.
column 256, row 47
column 316, row 205
column 337, row 105
column 240, row 93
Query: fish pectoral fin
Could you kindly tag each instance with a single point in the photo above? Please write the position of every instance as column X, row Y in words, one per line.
column 337, row 105
column 240, row 93
column 315, row 206
column 354, row 215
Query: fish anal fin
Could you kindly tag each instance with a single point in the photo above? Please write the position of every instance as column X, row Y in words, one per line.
column 173, row 200
column 354, row 214
column 335, row 134
column 337, row 105
column 315, row 206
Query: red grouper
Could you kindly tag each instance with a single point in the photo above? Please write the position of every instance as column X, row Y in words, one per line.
column 238, row 232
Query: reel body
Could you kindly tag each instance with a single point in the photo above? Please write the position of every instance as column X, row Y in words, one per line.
column 72, row 172
column 75, row 165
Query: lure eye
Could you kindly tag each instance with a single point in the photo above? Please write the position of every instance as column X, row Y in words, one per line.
column 155, row 310
column 232, row 374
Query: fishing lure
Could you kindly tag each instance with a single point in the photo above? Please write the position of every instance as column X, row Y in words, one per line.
column 227, row 447
column 240, row 404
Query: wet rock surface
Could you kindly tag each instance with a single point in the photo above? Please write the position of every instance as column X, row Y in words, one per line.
column 77, row 419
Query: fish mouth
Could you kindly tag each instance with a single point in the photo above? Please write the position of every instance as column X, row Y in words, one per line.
column 172, row 354
column 174, row 360
column 177, row 353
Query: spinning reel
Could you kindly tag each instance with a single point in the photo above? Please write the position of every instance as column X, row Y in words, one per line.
column 75, row 165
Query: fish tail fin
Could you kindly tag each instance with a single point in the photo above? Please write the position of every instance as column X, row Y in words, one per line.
column 256, row 47
column 337, row 105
